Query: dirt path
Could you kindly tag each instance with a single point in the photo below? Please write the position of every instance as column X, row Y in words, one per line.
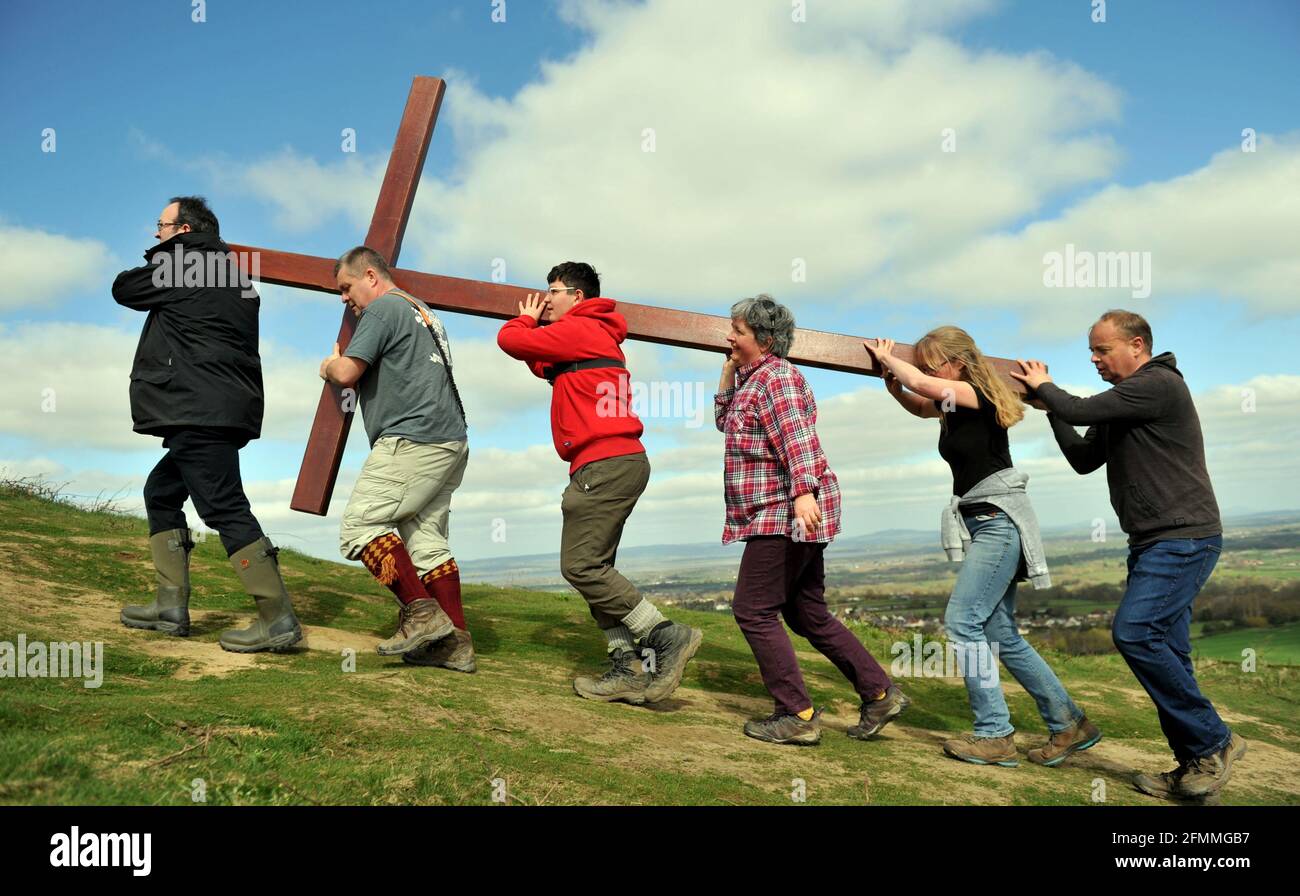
column 91, row 615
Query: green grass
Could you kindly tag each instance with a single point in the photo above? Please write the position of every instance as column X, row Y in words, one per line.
column 297, row 728
column 1278, row 645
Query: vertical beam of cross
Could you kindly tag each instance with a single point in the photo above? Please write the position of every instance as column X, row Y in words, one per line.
column 329, row 430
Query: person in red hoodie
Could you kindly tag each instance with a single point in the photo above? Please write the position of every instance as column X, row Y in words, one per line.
column 595, row 430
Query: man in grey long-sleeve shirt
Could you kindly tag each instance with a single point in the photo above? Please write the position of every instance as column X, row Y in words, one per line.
column 1146, row 431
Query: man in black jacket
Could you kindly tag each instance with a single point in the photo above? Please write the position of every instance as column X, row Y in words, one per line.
column 197, row 383
column 1146, row 431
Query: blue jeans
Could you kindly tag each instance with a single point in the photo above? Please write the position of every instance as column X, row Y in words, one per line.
column 1152, row 632
column 982, row 611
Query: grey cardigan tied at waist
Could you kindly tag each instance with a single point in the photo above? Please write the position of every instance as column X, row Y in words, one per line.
column 1005, row 490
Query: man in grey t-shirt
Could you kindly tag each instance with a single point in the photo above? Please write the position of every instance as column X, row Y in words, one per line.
column 405, row 391
column 396, row 520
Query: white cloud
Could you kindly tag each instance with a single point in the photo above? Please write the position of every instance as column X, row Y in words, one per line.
column 818, row 140
column 354, row 184
column 777, row 140
column 1226, row 229
column 69, row 384
column 42, row 269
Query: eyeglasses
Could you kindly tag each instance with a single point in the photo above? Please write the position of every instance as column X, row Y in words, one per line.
column 162, row 224
column 553, row 290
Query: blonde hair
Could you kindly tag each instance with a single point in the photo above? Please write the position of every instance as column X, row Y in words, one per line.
column 944, row 344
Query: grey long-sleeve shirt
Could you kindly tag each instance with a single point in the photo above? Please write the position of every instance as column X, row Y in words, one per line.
column 1146, row 431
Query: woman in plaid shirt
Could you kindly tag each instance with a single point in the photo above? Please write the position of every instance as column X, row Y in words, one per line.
column 783, row 501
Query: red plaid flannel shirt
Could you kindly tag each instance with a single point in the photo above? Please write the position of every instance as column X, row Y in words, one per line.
column 772, row 454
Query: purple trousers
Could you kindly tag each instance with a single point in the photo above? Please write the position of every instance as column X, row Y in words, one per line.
column 783, row 578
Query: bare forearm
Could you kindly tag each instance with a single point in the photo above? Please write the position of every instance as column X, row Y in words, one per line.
column 342, row 372
column 905, row 373
column 915, row 404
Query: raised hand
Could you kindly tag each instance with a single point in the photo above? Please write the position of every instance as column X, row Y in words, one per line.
column 882, row 352
column 324, row 365
column 534, row 305
column 1032, row 373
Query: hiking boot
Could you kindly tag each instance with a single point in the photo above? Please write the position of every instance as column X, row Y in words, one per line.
column 455, row 653
column 1207, row 774
column 276, row 627
column 874, row 716
column 626, row 680
column 1165, row 785
column 169, row 612
column 1079, row 736
column 984, row 750
column 786, row 728
column 418, row 623
column 670, row 646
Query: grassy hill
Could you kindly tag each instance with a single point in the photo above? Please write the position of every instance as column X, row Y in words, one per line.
column 1280, row 644
column 297, row 728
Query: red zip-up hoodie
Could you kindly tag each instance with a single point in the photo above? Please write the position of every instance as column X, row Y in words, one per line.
column 591, row 416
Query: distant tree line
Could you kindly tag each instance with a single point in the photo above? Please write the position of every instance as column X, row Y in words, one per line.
column 1226, row 606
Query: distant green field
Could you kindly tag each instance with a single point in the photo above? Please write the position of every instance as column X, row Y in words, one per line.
column 1279, row 565
column 1279, row 645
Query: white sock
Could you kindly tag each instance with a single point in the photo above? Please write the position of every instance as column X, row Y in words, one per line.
column 643, row 618
column 618, row 638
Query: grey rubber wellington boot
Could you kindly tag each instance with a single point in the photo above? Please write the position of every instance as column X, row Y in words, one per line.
column 276, row 628
column 170, row 610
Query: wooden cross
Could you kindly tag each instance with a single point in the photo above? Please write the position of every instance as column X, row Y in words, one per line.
column 665, row 326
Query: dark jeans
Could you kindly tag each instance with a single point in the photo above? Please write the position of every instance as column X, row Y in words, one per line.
column 202, row 463
column 1152, row 631
column 600, row 497
column 780, row 577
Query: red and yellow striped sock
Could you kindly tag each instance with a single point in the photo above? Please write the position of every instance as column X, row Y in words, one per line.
column 388, row 561
column 442, row 583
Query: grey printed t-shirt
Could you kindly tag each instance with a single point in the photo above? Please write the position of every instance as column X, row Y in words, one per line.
column 405, row 391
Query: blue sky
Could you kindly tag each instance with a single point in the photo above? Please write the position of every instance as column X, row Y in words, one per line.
column 247, row 108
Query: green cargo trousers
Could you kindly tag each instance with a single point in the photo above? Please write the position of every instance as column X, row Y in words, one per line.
column 596, row 504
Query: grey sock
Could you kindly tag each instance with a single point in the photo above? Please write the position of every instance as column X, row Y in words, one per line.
column 643, row 618
column 619, row 638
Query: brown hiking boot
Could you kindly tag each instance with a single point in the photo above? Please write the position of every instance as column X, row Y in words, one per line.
column 984, row 750
column 1207, row 775
column 786, row 728
column 418, row 623
column 1079, row 736
column 1164, row 785
column 876, row 715
column 455, row 653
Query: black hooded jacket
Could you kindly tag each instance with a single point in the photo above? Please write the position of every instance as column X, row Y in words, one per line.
column 1146, row 431
column 197, row 363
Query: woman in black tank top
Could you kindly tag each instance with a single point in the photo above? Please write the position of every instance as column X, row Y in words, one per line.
column 953, row 381
column 975, row 445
